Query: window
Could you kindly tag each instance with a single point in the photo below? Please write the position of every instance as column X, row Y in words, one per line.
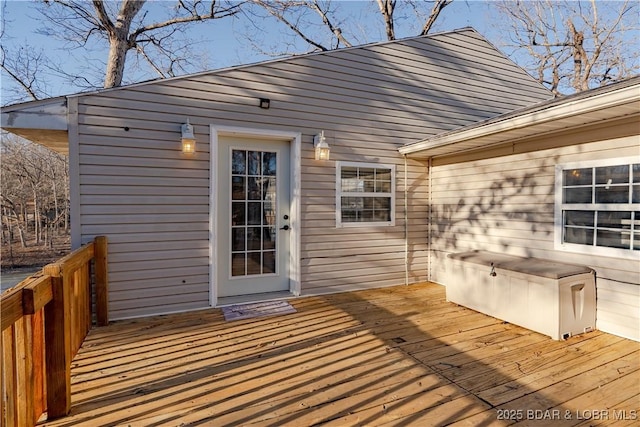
column 598, row 207
column 365, row 194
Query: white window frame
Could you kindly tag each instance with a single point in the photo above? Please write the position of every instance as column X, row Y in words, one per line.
column 560, row 207
column 340, row 194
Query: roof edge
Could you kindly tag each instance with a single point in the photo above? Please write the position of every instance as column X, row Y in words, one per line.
column 546, row 111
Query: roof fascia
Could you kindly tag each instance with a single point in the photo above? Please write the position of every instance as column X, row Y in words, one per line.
column 559, row 110
column 46, row 114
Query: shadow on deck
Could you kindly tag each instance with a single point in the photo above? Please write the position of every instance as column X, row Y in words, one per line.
column 394, row 356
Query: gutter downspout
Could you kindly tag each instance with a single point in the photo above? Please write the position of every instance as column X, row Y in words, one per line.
column 406, row 225
column 429, row 220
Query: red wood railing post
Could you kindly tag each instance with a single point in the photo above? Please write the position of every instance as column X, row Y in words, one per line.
column 58, row 345
column 102, row 280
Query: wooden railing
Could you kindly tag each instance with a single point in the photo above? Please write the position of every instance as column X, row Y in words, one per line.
column 45, row 319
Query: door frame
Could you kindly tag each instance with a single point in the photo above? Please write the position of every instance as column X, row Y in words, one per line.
column 295, row 141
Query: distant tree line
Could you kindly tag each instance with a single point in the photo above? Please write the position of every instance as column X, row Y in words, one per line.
column 34, row 194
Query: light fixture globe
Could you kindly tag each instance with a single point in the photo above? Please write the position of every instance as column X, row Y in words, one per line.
column 188, row 139
column 323, row 151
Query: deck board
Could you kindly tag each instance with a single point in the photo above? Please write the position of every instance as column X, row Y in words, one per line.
column 397, row 356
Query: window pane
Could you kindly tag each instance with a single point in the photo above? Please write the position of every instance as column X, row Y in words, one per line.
column 238, row 162
column 579, row 218
column 383, row 186
column 367, row 173
column 352, row 203
column 614, row 220
column 612, row 194
column 636, row 173
column 578, row 176
column 613, row 239
column 636, row 194
column 348, row 172
column 369, row 186
column 382, row 216
column 581, row 236
column 365, row 216
column 636, row 241
column 383, row 175
column 382, row 203
column 349, row 216
column 350, row 182
column 618, row 174
column 577, row 195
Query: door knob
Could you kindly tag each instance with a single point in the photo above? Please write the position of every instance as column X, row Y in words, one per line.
column 285, row 228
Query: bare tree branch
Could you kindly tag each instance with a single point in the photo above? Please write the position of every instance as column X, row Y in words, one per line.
column 573, row 45
column 435, row 12
column 123, row 26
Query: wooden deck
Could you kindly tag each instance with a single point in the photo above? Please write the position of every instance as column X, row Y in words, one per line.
column 398, row 356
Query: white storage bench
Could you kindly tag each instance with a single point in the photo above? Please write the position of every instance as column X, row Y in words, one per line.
column 553, row 298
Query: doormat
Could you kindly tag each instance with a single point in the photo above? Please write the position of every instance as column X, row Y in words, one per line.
column 257, row 309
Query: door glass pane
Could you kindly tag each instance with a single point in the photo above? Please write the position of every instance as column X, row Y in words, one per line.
column 254, row 263
column 269, row 262
column 269, row 164
column 237, row 239
column 238, row 213
column 238, row 190
column 238, row 264
column 253, row 213
column 239, row 162
column 269, row 238
column 254, row 163
column 254, row 238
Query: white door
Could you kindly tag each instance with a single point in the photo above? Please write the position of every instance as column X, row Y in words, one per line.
column 253, row 224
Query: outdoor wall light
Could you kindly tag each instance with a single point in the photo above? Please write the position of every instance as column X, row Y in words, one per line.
column 322, row 148
column 188, row 139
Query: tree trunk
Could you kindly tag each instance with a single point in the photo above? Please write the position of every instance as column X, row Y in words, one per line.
column 119, row 43
column 386, row 9
column 580, row 79
column 115, row 63
column 36, row 217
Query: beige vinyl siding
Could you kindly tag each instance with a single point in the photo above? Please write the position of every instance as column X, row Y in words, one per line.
column 506, row 204
column 153, row 202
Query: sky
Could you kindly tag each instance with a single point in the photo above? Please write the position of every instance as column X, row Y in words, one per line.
column 223, row 42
